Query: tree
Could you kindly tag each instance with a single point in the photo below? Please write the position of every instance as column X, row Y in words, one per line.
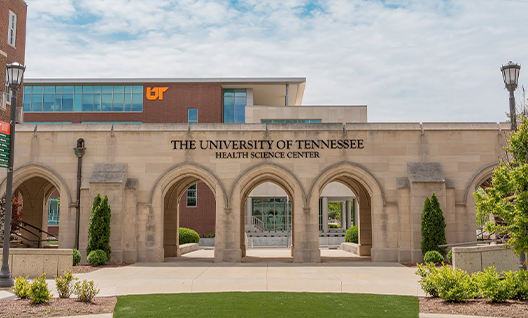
column 508, row 195
column 334, row 210
column 99, row 227
column 433, row 226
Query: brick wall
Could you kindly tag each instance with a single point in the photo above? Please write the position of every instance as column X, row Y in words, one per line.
column 179, row 97
column 14, row 54
column 202, row 218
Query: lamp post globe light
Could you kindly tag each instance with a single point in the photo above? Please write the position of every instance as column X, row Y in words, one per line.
column 510, row 75
column 15, row 74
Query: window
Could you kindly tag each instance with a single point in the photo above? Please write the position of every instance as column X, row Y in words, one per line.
column 11, row 30
column 83, row 98
column 192, row 116
column 191, row 196
column 290, row 121
column 235, row 105
column 8, row 91
column 53, row 211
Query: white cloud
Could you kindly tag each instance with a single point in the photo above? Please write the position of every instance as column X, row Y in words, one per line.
column 408, row 60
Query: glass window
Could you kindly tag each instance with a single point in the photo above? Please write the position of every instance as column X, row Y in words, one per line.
column 53, row 211
column 58, row 89
column 137, row 102
column 229, row 110
column 77, row 103
column 97, row 102
column 49, row 89
column 234, row 105
column 97, row 89
column 192, row 196
column 119, row 89
column 87, row 89
column 240, row 109
column 37, row 89
column 119, row 100
column 107, row 89
column 67, row 102
column 128, row 102
column 36, row 103
column 87, row 102
column 58, row 102
column 67, row 89
column 48, row 102
column 27, row 102
column 128, row 89
column 137, row 89
column 11, row 32
column 77, row 89
column 192, row 116
column 27, row 89
column 106, row 102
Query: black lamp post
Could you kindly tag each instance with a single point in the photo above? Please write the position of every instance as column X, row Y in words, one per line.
column 510, row 75
column 15, row 73
column 79, row 152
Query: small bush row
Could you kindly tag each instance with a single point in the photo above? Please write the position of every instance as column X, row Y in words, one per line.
column 457, row 285
column 351, row 235
column 38, row 291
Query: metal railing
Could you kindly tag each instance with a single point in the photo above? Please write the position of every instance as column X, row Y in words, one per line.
column 24, row 226
column 257, row 223
column 472, row 243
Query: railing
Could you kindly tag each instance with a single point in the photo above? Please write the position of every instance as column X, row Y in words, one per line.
column 23, row 226
column 257, row 223
column 472, row 243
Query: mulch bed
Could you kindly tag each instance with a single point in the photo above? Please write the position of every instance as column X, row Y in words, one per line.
column 56, row 307
column 81, row 269
column 475, row 307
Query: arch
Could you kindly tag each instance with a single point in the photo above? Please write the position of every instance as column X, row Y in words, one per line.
column 184, row 170
column 267, row 172
column 478, row 177
column 359, row 172
column 30, row 170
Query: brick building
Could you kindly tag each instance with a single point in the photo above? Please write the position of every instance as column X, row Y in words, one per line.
column 12, row 46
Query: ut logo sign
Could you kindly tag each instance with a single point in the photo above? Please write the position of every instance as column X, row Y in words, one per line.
column 154, row 93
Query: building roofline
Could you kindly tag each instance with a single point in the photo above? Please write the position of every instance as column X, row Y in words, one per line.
column 223, row 80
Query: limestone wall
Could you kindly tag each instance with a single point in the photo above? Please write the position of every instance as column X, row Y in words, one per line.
column 34, row 262
column 389, row 192
column 476, row 258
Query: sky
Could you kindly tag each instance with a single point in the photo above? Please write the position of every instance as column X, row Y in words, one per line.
column 408, row 60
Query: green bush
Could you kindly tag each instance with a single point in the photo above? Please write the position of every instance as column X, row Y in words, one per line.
column 97, row 258
column 65, row 284
column 21, row 288
column 433, row 257
column 76, row 257
column 351, row 235
column 433, row 226
column 518, row 282
column 453, row 285
column 427, row 275
column 333, row 226
column 85, row 291
column 188, row 236
column 38, row 291
column 450, row 256
column 99, row 226
column 492, row 287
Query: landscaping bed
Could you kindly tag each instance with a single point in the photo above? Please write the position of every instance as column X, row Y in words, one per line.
column 81, row 269
column 56, row 307
column 475, row 307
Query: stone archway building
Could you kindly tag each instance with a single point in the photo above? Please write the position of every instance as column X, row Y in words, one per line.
column 390, row 167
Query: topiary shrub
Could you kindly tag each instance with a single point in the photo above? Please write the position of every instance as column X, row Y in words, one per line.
column 433, row 226
column 38, row 291
column 351, row 235
column 97, row 258
column 433, row 257
column 450, row 256
column 99, row 227
column 492, row 287
column 21, row 287
column 76, row 257
column 188, row 236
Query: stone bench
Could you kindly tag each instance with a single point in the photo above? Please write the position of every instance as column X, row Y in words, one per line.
column 187, row 248
column 33, row 262
column 349, row 247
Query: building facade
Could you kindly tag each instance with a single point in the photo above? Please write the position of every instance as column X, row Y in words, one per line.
column 12, row 47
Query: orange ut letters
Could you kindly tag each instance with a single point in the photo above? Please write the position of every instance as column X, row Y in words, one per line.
column 154, row 93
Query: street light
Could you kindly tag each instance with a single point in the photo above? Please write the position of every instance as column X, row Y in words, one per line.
column 15, row 73
column 79, row 152
column 510, row 75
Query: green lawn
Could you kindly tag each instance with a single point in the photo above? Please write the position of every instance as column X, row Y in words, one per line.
column 266, row 305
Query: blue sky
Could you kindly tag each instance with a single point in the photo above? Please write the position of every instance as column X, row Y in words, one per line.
column 408, row 60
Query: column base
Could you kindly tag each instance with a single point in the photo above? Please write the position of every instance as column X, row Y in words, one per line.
column 228, row 255
column 306, row 256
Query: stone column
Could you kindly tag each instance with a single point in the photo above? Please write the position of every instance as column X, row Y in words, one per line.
column 348, row 214
column 325, row 214
column 356, row 209
column 249, row 210
column 343, row 214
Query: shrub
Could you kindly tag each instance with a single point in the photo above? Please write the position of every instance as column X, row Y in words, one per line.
column 427, row 273
column 188, row 236
column 453, row 285
column 65, row 284
column 85, row 290
column 21, row 288
column 38, row 291
column 433, row 257
column 518, row 282
column 76, row 257
column 97, row 258
column 351, row 235
column 433, row 226
column 99, row 226
column 492, row 287
column 450, row 256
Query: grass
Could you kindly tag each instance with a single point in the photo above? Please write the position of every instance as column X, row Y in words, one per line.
column 266, row 305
